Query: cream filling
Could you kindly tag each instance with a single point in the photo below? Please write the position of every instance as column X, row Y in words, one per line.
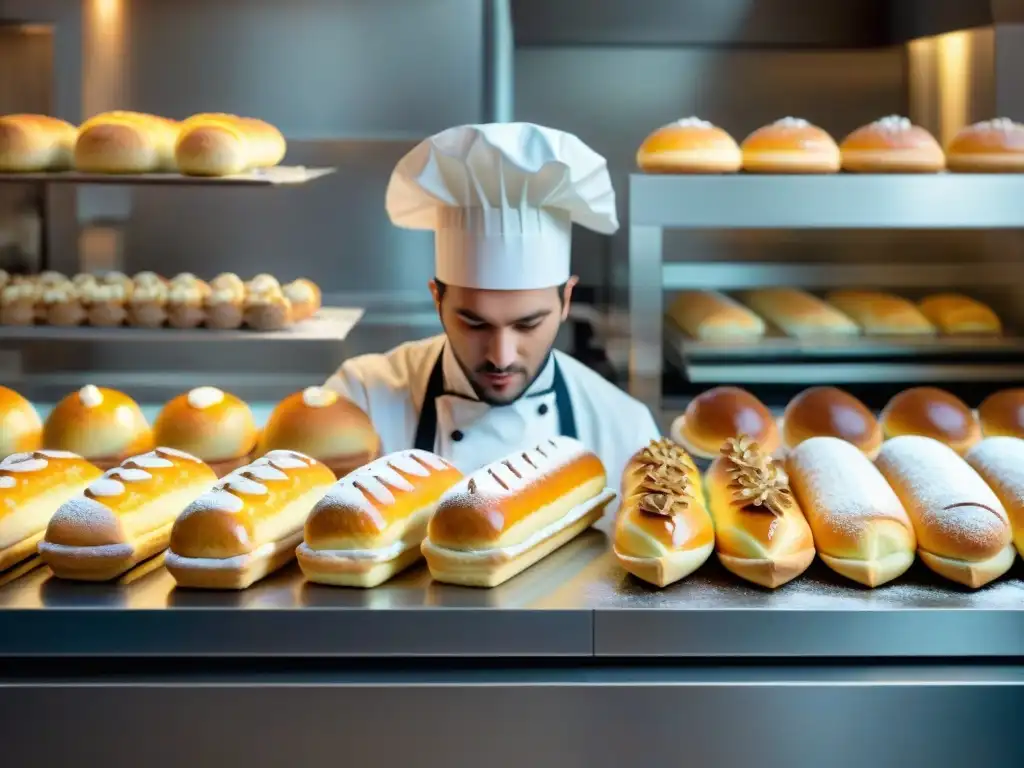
column 99, row 551
column 381, row 555
column 236, row 563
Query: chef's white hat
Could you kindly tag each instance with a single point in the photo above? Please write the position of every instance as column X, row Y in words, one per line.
column 501, row 199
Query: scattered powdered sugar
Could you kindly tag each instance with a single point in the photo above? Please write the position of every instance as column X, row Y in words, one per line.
column 24, row 462
column 1000, row 461
column 519, row 470
column 106, row 486
column 6, row 481
column 287, row 459
column 174, row 452
column 318, row 397
column 90, row 396
column 217, row 500
column 151, row 460
column 51, row 454
column 129, row 474
column 101, row 551
column 893, row 123
column 205, row 397
column 791, row 122
column 693, row 122
column 1003, row 124
column 82, row 512
column 376, row 481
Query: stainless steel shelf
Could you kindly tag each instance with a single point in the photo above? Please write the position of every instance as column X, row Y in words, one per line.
column 268, row 177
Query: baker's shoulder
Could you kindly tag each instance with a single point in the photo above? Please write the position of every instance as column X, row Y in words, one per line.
column 394, row 365
column 600, row 392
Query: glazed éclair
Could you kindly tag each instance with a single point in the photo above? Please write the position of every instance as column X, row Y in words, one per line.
column 963, row 532
column 690, row 145
column 249, row 524
column 211, row 424
column 32, row 486
column 370, row 525
column 790, row 145
column 891, row 144
column 1000, row 462
column 714, row 416
column 934, row 413
column 663, row 531
column 831, row 412
column 124, row 517
column 503, row 518
column 761, row 534
column 102, row 425
column 860, row 527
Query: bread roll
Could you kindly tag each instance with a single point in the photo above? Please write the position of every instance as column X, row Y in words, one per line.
column 761, row 534
column 830, row 412
column 32, row 486
column 799, row 314
column 102, row 425
column 147, row 306
column 126, row 142
column 1001, row 414
column 690, row 145
column 225, row 304
column 933, row 413
column 713, row 316
column 35, row 143
column 248, row 525
column 214, row 144
column 21, row 429
column 370, row 525
column 892, row 145
column 991, row 146
column 860, row 527
column 186, row 301
column 1000, row 462
column 20, row 302
column 323, row 425
column 881, row 314
column 790, row 145
column 305, row 298
column 266, row 306
column 663, row 531
column 212, row 425
column 714, row 416
column 955, row 314
column 963, row 532
column 512, row 513
column 124, row 517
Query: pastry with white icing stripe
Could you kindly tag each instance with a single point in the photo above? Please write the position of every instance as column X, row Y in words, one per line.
column 860, row 527
column 211, row 424
column 963, row 532
column 32, row 486
column 123, row 517
column 371, row 523
column 102, row 425
column 1000, row 462
column 249, row 524
column 505, row 517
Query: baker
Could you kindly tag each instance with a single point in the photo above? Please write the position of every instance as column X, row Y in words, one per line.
column 501, row 200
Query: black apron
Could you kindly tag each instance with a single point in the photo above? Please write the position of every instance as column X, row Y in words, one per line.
column 426, row 428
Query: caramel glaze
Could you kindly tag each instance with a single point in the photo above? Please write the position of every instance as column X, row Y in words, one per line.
column 831, row 412
column 58, row 472
column 931, row 412
column 723, row 412
column 1002, row 413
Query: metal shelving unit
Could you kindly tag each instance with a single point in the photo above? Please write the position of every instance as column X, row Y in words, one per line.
column 265, row 177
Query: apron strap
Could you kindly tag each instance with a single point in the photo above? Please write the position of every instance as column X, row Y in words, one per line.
column 566, row 417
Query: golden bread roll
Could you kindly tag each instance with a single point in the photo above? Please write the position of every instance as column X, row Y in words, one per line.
column 212, row 425
column 305, row 298
column 249, row 524
column 892, row 144
column 214, row 144
column 102, row 425
column 761, row 533
column 147, row 306
column 62, row 305
column 831, row 412
column 267, row 306
column 690, row 145
column 713, row 316
column 790, row 145
column 512, row 513
column 319, row 423
column 881, row 314
column 32, row 486
column 1000, row 462
column 934, row 413
column 225, row 305
column 714, row 416
column 34, row 143
column 126, row 142
column 20, row 302
column 860, row 527
column 991, row 146
column 370, row 525
column 123, row 517
column 963, row 532
column 798, row 313
column 663, row 531
column 21, row 429
column 953, row 313
column 1001, row 414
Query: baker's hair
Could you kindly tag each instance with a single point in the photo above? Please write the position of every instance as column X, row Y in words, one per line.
column 441, row 288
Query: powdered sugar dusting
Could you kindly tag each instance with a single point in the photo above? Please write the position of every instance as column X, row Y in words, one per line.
column 693, row 122
column 1000, row 462
column 263, row 471
column 246, row 486
column 519, row 470
column 893, row 124
column 376, row 481
column 217, row 500
column 791, row 122
column 1002, row 124
column 82, row 512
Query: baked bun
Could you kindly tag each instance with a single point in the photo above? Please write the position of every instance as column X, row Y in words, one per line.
column 860, row 527
column 1002, row 414
column 718, row 414
column 370, row 525
column 1000, row 462
column 761, row 534
column 690, row 145
column 881, row 314
column 892, row 145
column 663, row 531
column 790, row 145
column 126, row 142
column 102, row 425
column 963, row 532
column 21, row 429
column 991, row 146
column 954, row 313
column 320, row 423
column 934, row 413
column 798, row 313
column 211, row 424
column 713, row 316
column 830, row 412
column 34, row 143
column 221, row 145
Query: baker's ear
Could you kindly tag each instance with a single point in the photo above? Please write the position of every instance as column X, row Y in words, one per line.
column 567, row 295
column 436, row 294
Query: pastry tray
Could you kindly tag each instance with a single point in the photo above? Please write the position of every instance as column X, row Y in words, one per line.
column 268, row 177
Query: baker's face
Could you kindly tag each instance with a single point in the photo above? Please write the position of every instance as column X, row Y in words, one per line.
column 501, row 338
